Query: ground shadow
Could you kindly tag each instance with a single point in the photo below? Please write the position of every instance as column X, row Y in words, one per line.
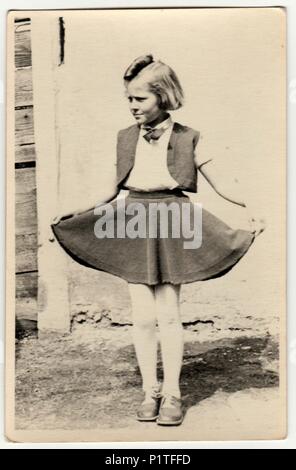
column 64, row 385
column 229, row 365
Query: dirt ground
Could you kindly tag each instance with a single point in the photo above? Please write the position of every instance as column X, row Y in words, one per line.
column 90, row 380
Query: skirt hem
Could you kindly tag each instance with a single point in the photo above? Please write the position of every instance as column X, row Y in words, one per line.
column 219, row 269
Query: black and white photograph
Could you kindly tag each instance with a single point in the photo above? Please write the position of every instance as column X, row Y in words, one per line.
column 146, row 225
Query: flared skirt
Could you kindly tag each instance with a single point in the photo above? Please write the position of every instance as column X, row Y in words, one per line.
column 153, row 238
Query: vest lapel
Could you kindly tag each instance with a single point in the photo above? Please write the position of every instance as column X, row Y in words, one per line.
column 130, row 145
column 172, row 145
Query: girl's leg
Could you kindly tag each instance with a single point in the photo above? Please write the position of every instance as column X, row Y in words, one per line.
column 171, row 336
column 144, row 333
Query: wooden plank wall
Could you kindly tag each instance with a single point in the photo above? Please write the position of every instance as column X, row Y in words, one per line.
column 25, row 184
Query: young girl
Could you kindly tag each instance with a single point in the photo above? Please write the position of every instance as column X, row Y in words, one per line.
column 156, row 162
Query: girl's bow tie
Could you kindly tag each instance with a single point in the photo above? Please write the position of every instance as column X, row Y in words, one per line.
column 153, row 134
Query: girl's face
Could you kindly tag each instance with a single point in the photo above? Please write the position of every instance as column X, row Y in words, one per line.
column 144, row 105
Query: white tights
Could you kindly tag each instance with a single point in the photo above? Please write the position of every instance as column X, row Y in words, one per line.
column 151, row 304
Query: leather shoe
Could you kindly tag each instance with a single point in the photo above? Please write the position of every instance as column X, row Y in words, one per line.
column 170, row 411
column 149, row 411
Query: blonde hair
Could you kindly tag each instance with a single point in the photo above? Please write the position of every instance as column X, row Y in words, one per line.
column 160, row 78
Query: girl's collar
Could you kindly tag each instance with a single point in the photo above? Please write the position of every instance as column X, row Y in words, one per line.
column 167, row 122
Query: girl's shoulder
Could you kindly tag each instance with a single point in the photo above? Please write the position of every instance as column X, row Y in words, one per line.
column 184, row 127
column 125, row 130
column 187, row 131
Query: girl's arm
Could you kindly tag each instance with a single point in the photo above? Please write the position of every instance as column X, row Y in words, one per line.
column 114, row 191
column 257, row 223
column 208, row 168
column 207, row 173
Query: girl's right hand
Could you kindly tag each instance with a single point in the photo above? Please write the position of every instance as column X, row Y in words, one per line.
column 79, row 211
column 56, row 220
column 59, row 217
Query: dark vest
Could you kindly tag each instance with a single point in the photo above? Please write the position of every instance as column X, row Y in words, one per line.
column 180, row 155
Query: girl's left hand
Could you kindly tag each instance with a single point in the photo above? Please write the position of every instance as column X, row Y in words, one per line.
column 257, row 225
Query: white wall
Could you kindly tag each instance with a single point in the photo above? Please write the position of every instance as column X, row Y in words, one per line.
column 231, row 64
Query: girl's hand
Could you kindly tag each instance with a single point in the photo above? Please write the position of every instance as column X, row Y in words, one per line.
column 257, row 225
column 255, row 218
column 59, row 217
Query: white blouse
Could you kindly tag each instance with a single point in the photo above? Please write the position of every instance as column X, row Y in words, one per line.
column 150, row 171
